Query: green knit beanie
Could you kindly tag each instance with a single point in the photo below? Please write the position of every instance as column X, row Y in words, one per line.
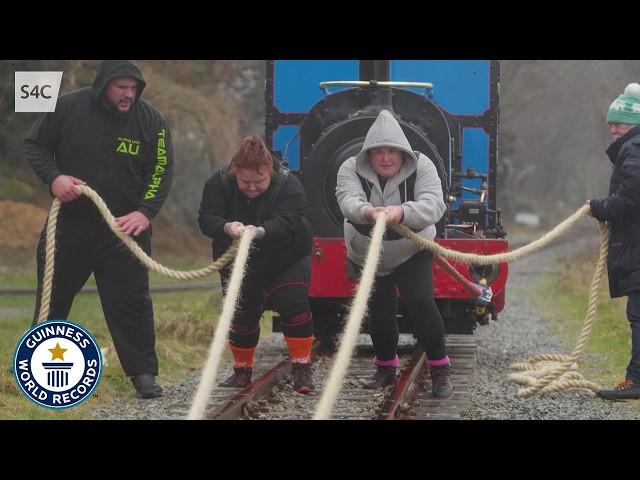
column 626, row 108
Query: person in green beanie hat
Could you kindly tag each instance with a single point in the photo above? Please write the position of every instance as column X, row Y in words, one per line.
column 621, row 211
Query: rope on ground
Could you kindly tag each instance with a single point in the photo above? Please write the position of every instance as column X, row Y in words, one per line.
column 553, row 373
column 145, row 259
column 218, row 342
column 352, row 329
column 548, row 372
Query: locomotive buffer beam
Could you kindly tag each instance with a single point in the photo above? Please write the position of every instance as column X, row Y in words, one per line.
column 481, row 293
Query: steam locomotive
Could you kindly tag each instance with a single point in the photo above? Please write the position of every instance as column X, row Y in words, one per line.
column 317, row 115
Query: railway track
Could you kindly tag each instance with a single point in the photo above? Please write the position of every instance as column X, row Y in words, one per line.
column 271, row 395
column 462, row 351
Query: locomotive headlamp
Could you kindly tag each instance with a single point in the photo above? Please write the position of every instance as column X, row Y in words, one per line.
column 484, row 272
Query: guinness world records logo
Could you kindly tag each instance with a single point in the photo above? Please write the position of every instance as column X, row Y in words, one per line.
column 57, row 364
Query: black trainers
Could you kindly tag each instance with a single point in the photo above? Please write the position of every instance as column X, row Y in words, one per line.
column 384, row 376
column 302, row 377
column 441, row 381
column 146, row 386
column 241, row 378
column 625, row 390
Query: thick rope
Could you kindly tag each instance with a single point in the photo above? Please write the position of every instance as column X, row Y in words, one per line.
column 517, row 254
column 552, row 374
column 352, row 329
column 218, row 342
column 145, row 259
column 50, row 249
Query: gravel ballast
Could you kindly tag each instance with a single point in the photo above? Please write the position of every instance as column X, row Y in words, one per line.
column 519, row 334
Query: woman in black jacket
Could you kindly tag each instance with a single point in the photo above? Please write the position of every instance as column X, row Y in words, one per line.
column 254, row 192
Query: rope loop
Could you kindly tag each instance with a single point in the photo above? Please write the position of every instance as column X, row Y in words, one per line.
column 140, row 254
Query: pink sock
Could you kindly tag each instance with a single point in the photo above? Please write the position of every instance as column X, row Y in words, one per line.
column 394, row 362
column 439, row 363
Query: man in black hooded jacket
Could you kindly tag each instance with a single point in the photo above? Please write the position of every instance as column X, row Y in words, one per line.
column 107, row 137
column 621, row 210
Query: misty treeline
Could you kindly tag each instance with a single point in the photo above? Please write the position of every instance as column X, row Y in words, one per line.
column 554, row 132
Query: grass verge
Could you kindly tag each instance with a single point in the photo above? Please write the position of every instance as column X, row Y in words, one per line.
column 562, row 299
column 185, row 322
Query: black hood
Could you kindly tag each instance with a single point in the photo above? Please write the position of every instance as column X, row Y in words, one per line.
column 110, row 69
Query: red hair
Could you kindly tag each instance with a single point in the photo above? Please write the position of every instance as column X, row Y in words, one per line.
column 252, row 153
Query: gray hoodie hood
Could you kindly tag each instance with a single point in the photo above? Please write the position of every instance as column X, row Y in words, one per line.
column 386, row 132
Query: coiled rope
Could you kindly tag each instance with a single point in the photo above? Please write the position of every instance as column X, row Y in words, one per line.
column 543, row 373
column 552, row 372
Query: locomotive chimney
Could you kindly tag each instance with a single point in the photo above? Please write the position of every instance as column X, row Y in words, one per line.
column 377, row 71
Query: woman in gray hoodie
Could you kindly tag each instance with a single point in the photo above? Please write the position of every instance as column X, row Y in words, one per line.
column 379, row 179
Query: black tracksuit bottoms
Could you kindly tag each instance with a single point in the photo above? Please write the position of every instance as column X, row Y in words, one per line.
column 83, row 248
column 414, row 280
column 286, row 292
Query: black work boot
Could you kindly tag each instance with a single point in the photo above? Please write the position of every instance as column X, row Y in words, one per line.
column 384, row 376
column 241, row 378
column 302, row 377
column 146, row 386
column 625, row 390
column 441, row 381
